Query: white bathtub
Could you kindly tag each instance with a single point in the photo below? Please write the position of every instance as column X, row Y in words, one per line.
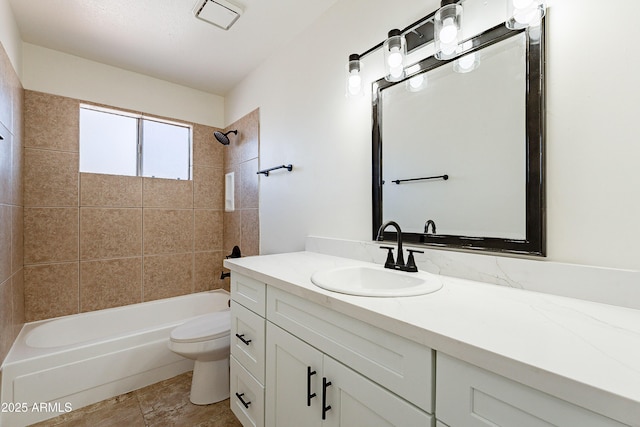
column 76, row 360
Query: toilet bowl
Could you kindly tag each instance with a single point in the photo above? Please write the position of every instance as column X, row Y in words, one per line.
column 205, row 339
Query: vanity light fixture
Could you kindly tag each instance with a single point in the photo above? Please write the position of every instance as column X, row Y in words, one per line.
column 524, row 13
column 401, row 42
column 354, row 79
column 395, row 50
column 447, row 29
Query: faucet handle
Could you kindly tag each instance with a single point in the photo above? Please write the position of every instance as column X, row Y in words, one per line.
column 390, row 262
column 411, row 262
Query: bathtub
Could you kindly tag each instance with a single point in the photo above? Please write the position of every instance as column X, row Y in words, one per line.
column 65, row 363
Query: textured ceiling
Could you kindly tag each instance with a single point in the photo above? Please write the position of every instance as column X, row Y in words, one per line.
column 163, row 39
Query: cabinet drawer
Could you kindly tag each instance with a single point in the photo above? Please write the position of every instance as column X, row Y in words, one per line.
column 402, row 366
column 248, row 292
column 470, row 396
column 248, row 340
column 247, row 396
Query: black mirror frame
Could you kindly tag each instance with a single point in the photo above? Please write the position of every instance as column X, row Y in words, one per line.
column 534, row 242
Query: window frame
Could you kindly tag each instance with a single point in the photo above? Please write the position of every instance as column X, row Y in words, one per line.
column 140, row 117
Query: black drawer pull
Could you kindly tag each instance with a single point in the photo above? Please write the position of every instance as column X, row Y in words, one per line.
column 309, row 394
column 241, row 338
column 246, row 404
column 325, row 408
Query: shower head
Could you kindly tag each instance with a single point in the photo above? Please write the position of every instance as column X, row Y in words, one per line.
column 222, row 137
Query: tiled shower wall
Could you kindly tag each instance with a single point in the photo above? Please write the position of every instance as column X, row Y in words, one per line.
column 242, row 226
column 11, row 205
column 95, row 241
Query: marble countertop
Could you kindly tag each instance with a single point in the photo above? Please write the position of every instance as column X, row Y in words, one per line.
column 583, row 352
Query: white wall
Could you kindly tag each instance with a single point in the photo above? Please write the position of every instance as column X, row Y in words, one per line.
column 593, row 173
column 10, row 36
column 54, row 72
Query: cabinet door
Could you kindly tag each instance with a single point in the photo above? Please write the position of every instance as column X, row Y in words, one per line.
column 294, row 373
column 472, row 397
column 356, row 401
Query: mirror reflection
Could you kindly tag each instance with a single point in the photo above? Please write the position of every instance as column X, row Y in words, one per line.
column 454, row 147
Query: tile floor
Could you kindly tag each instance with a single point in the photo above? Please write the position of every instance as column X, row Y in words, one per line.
column 163, row 404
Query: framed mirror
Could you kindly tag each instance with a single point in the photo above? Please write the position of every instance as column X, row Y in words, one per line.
column 458, row 156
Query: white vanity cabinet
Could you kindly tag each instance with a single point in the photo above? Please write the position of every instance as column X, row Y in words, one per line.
column 374, row 353
column 468, row 396
column 325, row 368
column 247, row 361
column 309, row 388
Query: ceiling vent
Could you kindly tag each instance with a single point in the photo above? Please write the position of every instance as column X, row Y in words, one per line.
column 220, row 13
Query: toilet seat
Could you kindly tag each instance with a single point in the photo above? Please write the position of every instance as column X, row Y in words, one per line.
column 203, row 328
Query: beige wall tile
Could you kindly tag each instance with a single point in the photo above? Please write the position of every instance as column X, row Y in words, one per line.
column 50, row 290
column 208, row 188
column 249, row 181
column 110, row 232
column 18, row 109
column 167, row 231
column 50, row 235
column 246, row 145
column 110, row 283
column 17, row 238
column 208, row 230
column 208, row 267
column 5, row 242
column 17, row 171
column 249, row 232
column 6, row 176
column 66, row 220
column 207, row 151
column 51, row 178
column 18, row 301
column 11, row 201
column 167, row 276
column 110, row 190
column 51, row 121
column 6, row 324
column 231, row 231
column 6, row 103
column 167, row 193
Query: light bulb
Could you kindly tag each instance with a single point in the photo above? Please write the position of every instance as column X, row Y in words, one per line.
column 521, row 4
column 467, row 61
column 448, row 49
column 449, row 31
column 416, row 81
column 524, row 13
column 526, row 16
column 354, row 80
column 396, row 72
column 395, row 57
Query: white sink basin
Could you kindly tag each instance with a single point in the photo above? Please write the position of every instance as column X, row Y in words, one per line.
column 376, row 281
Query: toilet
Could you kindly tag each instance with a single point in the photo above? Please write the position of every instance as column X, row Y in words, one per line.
column 205, row 339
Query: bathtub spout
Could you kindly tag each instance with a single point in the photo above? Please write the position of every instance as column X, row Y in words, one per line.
column 224, row 275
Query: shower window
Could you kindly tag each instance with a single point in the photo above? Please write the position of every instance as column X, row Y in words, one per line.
column 118, row 143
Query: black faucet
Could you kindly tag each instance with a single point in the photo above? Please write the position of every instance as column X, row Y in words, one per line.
column 398, row 264
column 427, row 224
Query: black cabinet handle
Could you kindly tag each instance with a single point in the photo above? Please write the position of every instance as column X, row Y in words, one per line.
column 241, row 338
column 246, row 404
column 325, row 408
column 309, row 394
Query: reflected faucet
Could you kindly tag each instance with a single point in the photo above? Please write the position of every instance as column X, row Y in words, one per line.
column 399, row 263
column 426, row 226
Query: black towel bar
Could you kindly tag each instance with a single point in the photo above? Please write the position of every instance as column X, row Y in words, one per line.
column 266, row 171
column 444, row 177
